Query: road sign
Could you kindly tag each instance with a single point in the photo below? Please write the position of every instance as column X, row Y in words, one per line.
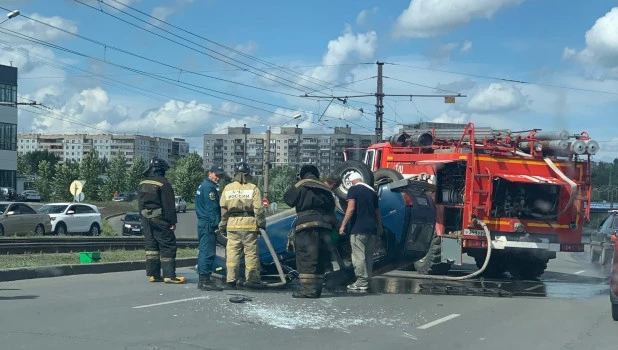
column 79, row 197
column 265, row 202
column 449, row 99
column 76, row 187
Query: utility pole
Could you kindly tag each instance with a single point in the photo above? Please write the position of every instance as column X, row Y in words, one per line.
column 244, row 147
column 379, row 104
column 379, row 100
column 267, row 164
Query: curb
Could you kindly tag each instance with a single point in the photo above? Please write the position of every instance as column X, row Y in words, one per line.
column 24, row 273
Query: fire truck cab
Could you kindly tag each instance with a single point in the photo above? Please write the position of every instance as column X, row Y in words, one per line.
column 531, row 189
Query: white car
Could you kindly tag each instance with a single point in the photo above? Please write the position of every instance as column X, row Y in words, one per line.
column 29, row 196
column 74, row 218
column 181, row 205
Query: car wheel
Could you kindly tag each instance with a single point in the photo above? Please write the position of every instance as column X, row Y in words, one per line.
column 615, row 312
column 345, row 169
column 61, row 229
column 95, row 230
column 184, row 210
column 39, row 230
column 1, row 230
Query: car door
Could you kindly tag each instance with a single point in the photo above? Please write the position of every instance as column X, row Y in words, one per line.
column 12, row 221
column 29, row 218
column 72, row 220
column 86, row 216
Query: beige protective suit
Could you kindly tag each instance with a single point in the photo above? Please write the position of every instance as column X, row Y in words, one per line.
column 242, row 215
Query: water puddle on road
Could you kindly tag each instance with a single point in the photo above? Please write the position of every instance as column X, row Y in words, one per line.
column 563, row 286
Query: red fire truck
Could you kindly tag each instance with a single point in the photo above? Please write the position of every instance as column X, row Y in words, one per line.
column 531, row 189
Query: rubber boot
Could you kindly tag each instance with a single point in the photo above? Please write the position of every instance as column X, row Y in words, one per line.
column 153, row 268
column 310, row 286
column 168, row 266
column 207, row 284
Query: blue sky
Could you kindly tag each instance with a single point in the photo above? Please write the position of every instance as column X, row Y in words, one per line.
column 556, row 47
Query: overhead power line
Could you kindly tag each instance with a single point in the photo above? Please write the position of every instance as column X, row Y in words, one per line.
column 505, row 79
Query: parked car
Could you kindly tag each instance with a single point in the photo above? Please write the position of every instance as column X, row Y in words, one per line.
column 74, row 218
column 181, row 205
column 132, row 224
column 20, row 219
column 613, row 291
column 29, row 196
column 602, row 241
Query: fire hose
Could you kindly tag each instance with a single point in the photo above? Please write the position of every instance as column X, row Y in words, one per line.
column 477, row 221
column 275, row 260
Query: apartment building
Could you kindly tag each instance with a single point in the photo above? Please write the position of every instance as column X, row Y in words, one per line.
column 288, row 145
column 72, row 147
column 8, row 126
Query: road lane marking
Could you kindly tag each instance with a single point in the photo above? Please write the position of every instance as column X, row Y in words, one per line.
column 534, row 287
column 438, row 321
column 169, row 302
column 580, row 272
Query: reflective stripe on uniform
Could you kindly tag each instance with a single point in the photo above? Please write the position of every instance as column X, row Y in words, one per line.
column 151, row 182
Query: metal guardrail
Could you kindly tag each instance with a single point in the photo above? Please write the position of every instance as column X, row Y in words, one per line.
column 69, row 245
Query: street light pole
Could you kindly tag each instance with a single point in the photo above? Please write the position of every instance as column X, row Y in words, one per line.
column 267, row 164
column 10, row 15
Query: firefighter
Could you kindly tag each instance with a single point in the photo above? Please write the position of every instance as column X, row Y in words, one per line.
column 158, row 214
column 242, row 216
column 208, row 217
column 315, row 206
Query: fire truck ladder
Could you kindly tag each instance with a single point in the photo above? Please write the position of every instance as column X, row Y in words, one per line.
column 476, row 187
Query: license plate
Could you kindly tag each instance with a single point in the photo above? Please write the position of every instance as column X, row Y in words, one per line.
column 472, row 232
column 136, row 230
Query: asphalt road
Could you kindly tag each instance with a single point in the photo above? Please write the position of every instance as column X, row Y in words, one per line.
column 569, row 309
column 186, row 227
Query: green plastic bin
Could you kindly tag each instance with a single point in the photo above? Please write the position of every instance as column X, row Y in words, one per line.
column 89, row 257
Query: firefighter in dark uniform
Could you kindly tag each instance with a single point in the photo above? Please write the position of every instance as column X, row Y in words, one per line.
column 315, row 206
column 158, row 213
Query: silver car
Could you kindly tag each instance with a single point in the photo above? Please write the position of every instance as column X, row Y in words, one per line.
column 21, row 219
column 181, row 205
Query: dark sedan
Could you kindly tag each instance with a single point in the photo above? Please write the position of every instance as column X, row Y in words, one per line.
column 132, row 224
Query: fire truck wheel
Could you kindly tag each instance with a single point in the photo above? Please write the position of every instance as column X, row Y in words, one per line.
column 527, row 268
column 345, row 169
column 496, row 267
column 386, row 175
column 431, row 264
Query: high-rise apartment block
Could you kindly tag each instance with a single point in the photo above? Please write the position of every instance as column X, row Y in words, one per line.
column 72, row 147
column 288, row 145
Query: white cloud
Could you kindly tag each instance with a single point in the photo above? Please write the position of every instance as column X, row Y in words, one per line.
column 601, row 43
column 363, row 16
column 163, row 12
column 250, row 47
column 429, row 18
column 347, row 48
column 497, row 98
column 39, row 31
column 466, row 46
column 442, row 54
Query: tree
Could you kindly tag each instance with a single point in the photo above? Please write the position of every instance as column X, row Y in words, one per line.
column 23, row 168
column 33, row 159
column 187, row 176
column 90, row 171
column 116, row 177
column 135, row 174
column 65, row 175
column 281, row 179
column 44, row 180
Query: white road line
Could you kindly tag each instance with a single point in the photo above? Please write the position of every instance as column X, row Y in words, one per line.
column 169, row 302
column 534, row 287
column 438, row 321
column 580, row 272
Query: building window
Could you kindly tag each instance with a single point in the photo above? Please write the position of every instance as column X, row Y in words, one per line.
column 8, row 93
column 8, row 137
column 8, row 178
